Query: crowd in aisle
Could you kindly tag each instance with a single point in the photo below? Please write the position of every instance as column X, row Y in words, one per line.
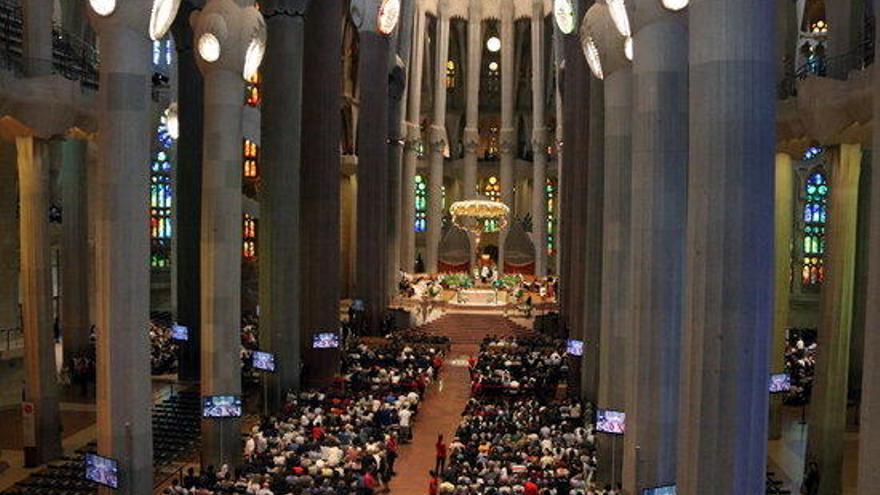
column 800, row 364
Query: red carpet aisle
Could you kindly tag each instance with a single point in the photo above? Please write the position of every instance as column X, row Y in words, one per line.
column 441, row 411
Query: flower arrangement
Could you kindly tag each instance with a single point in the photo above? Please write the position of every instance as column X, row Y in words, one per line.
column 457, row 281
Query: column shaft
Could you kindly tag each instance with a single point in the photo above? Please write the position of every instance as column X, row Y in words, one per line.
column 659, row 195
column 616, row 313
column 472, row 103
column 729, row 286
column 10, row 258
column 539, row 143
column 439, row 141
column 410, row 159
column 37, row 37
column 122, row 294
column 75, row 320
column 280, row 201
column 508, row 132
column 221, row 259
column 41, row 388
column 372, row 177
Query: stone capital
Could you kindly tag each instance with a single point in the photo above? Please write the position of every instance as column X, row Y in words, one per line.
column 437, row 138
column 540, row 140
column 507, row 140
column 236, row 28
column 471, row 139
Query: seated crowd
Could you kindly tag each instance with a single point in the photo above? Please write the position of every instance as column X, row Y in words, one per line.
column 533, row 364
column 800, row 364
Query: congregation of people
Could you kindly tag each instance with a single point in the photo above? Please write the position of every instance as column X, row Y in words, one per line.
column 532, row 364
column 800, row 364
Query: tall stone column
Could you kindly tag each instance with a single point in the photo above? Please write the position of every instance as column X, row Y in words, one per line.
column 372, row 172
column 439, row 140
column 124, row 398
column 37, row 37
column 729, row 285
column 222, row 213
column 41, row 389
column 841, row 32
column 540, row 140
column 783, row 209
column 320, row 193
column 869, row 433
column 472, row 108
column 9, row 244
column 75, row 320
column 413, row 138
column 186, row 268
column 658, row 215
column 507, row 138
column 828, row 403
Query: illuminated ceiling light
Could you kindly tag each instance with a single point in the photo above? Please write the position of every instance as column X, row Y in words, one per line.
column 163, row 14
column 209, row 47
column 563, row 12
column 103, row 7
column 617, row 10
column 389, row 13
column 253, row 58
column 593, row 60
column 493, row 66
column 493, row 44
column 628, row 48
column 675, row 5
column 172, row 121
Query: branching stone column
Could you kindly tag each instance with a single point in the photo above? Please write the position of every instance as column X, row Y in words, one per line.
column 9, row 244
column 74, row 249
column 224, row 32
column 41, row 390
column 372, row 173
column 540, row 141
column 658, row 215
column 869, row 434
column 413, row 139
column 122, row 294
column 729, row 286
column 280, row 282
column 439, row 140
column 472, row 108
column 321, row 169
column 37, row 37
column 507, row 138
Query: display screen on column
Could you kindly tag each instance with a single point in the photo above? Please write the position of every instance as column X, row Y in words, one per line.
column 221, row 406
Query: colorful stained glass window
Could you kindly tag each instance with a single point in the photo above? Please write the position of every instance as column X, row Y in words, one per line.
column 815, row 216
column 421, row 206
column 450, row 74
column 251, row 163
column 252, row 93
column 249, row 235
column 550, row 193
column 492, row 191
column 161, row 229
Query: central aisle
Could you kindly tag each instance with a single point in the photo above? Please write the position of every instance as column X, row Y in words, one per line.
column 444, row 402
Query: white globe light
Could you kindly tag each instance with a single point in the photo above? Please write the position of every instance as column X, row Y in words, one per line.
column 103, row 7
column 563, row 12
column 628, row 48
column 593, row 59
column 172, row 121
column 253, row 58
column 209, row 47
column 161, row 17
column 617, row 10
column 675, row 5
column 389, row 13
column 493, row 66
column 493, row 44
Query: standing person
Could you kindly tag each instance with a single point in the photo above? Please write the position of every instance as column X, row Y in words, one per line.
column 404, row 418
column 391, row 454
column 432, row 485
column 440, row 448
column 530, row 488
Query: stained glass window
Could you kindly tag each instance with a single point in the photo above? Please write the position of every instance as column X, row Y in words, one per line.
column 550, row 193
column 450, row 74
column 251, row 164
column 161, row 198
column 492, row 191
column 814, row 217
column 249, row 234
column 421, row 205
column 252, row 93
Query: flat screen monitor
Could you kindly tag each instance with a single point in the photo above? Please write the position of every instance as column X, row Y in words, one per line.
column 613, row 422
column 179, row 332
column 102, row 470
column 780, row 383
column 326, row 340
column 221, row 406
column 660, row 490
column 575, row 347
column 264, row 361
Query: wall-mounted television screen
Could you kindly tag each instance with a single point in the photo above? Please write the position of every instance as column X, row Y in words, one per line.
column 325, row 340
column 221, row 406
column 780, row 383
column 613, row 422
column 575, row 347
column 264, row 361
column 660, row 490
column 102, row 470
column 179, row 332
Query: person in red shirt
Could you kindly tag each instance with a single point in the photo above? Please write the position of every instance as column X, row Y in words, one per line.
column 440, row 447
column 530, row 488
column 433, row 488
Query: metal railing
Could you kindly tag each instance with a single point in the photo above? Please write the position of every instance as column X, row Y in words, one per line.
column 11, row 338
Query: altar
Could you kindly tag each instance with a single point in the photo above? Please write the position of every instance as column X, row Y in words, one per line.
column 480, row 297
